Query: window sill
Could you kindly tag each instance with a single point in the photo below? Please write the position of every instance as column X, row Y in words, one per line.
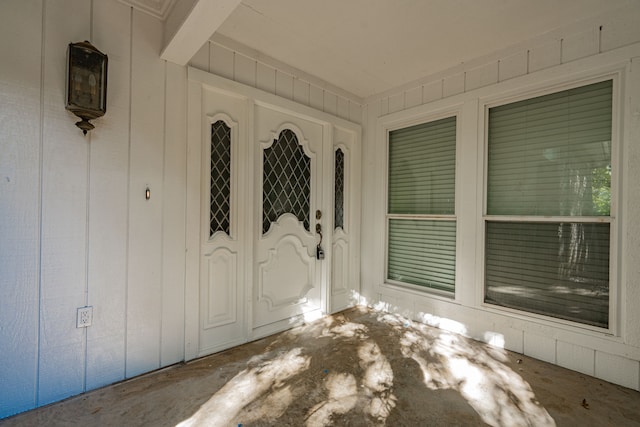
column 552, row 322
column 419, row 290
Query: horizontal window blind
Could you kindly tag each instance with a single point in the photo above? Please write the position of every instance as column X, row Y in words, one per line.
column 422, row 168
column 422, row 252
column 551, row 155
column 556, row 269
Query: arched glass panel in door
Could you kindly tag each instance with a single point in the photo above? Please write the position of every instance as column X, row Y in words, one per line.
column 286, row 181
column 338, row 215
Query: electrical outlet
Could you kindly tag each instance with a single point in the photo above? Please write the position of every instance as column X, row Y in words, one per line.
column 85, row 316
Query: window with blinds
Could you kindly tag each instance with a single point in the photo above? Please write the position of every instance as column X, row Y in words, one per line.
column 421, row 222
column 547, row 228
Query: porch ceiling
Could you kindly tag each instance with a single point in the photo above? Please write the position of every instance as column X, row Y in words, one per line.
column 370, row 46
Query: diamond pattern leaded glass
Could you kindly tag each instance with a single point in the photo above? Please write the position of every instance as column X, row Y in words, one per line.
column 220, row 202
column 338, row 220
column 286, row 181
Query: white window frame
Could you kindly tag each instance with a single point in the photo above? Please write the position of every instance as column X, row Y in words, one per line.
column 613, row 219
column 396, row 122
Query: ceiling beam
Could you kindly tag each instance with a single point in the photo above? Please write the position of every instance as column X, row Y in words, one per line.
column 190, row 24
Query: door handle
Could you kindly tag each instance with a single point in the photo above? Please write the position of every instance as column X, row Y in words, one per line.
column 319, row 233
column 319, row 250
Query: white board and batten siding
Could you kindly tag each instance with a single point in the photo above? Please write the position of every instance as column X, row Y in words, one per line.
column 20, row 156
column 233, row 61
column 76, row 227
column 610, row 43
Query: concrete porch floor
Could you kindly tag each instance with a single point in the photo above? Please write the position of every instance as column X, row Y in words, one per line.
column 355, row 368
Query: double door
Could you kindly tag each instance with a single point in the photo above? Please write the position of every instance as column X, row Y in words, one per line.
column 278, row 228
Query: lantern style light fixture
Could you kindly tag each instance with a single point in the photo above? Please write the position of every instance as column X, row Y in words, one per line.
column 86, row 83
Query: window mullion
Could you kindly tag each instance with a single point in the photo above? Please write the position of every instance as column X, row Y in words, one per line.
column 533, row 218
column 425, row 217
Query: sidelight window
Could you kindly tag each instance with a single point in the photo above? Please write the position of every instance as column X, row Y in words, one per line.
column 220, row 184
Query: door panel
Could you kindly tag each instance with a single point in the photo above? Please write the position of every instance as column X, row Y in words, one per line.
column 219, row 294
column 288, row 193
column 345, row 271
column 286, row 276
column 222, row 280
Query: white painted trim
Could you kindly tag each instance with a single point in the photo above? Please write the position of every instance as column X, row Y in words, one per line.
column 558, row 84
column 304, row 142
column 326, row 187
column 250, row 215
column 185, row 35
column 161, row 11
column 216, row 348
column 193, row 221
column 559, row 218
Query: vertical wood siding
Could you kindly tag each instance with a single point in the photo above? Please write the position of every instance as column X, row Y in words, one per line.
column 218, row 59
column 76, row 227
column 108, row 203
column 611, row 32
column 20, row 156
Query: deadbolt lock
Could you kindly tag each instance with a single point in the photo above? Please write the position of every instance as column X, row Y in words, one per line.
column 318, row 214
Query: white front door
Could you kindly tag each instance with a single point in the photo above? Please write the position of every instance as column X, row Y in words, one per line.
column 263, row 173
column 289, row 173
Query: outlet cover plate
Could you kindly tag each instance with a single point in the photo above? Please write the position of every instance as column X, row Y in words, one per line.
column 85, row 317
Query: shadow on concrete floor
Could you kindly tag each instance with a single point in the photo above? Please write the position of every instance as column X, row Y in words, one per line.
column 355, row 368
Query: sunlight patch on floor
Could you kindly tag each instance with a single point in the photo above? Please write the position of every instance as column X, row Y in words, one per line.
column 343, row 396
column 222, row 408
column 377, row 381
column 345, row 330
column 375, row 391
column 449, row 361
